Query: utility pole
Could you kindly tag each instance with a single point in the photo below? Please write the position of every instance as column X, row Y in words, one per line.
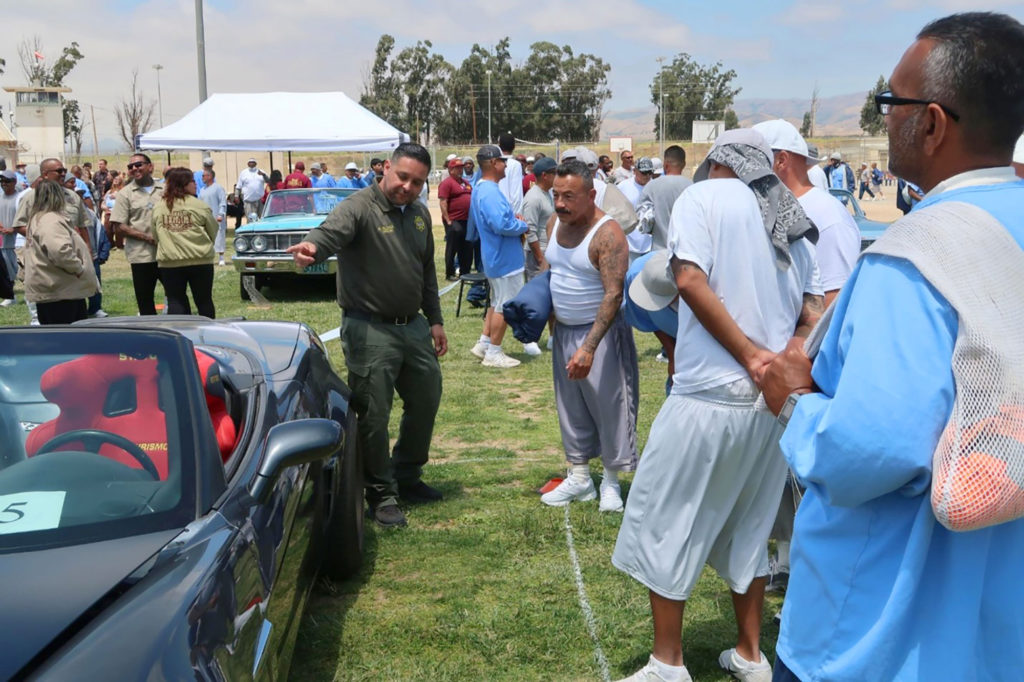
column 472, row 106
column 159, row 99
column 201, row 50
column 489, row 138
column 661, row 106
column 95, row 138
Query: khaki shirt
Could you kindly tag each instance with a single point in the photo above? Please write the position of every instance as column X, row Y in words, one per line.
column 58, row 266
column 133, row 207
column 74, row 211
column 385, row 255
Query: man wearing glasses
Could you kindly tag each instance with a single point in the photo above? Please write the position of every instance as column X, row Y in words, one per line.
column 74, row 209
column 132, row 218
column 879, row 589
column 625, row 171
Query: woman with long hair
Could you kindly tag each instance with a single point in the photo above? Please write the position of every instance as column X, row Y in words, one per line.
column 59, row 274
column 184, row 228
column 116, row 183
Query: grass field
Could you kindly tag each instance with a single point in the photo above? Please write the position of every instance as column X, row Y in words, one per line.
column 481, row 585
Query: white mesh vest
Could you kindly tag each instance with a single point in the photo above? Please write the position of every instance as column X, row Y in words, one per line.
column 971, row 259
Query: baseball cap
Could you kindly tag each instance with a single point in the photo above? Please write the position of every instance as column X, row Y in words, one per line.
column 299, row 165
column 746, row 136
column 645, row 165
column 207, row 161
column 654, row 288
column 545, row 165
column 659, row 166
column 488, row 152
column 316, row 166
column 351, row 166
column 8, row 175
column 455, row 162
column 783, row 135
column 450, row 157
column 467, row 159
column 251, row 161
column 836, row 156
column 530, row 159
column 581, row 154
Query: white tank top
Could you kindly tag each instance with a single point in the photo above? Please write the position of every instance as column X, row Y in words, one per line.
column 576, row 289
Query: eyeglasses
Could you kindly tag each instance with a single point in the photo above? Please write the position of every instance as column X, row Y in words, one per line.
column 137, row 164
column 885, row 101
column 627, row 158
column 58, row 171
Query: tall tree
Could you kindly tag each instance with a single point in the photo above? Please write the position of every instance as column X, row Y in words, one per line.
column 36, row 70
column 872, row 122
column 134, row 114
column 805, row 127
column 690, row 92
column 730, row 119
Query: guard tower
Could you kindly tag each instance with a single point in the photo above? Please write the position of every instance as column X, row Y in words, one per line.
column 39, row 122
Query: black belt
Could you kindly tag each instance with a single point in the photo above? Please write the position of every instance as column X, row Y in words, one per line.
column 381, row 319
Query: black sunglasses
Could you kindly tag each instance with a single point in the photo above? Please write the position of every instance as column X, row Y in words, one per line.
column 137, row 164
column 885, row 101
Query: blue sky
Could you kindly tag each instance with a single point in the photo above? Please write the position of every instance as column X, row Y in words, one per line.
column 778, row 49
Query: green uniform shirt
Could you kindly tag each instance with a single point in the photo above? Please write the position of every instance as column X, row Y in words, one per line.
column 385, row 255
column 133, row 207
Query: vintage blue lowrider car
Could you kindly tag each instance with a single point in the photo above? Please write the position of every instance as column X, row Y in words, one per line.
column 169, row 491
column 870, row 230
column 287, row 216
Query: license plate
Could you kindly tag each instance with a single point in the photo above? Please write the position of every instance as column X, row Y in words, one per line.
column 316, row 269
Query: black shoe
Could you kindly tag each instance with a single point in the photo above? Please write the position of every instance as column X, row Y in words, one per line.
column 778, row 582
column 452, row 278
column 389, row 516
column 419, row 492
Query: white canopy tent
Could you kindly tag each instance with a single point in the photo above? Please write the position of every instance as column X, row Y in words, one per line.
column 277, row 121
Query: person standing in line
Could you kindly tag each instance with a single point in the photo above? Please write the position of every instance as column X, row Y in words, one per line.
column 132, row 219
column 297, row 179
column 537, row 209
column 815, row 174
column 351, row 179
column 659, row 196
column 198, row 175
column 593, row 355
column 386, row 276
column 58, row 266
column 8, row 209
column 511, row 184
column 318, row 178
column 639, row 242
column 625, row 169
column 184, row 230
column 214, row 196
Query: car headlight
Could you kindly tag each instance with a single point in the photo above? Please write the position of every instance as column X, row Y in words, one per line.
column 259, row 243
column 241, row 244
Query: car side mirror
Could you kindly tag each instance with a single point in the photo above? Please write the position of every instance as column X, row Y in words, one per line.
column 292, row 443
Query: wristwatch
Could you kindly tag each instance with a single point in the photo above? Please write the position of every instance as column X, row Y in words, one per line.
column 787, row 408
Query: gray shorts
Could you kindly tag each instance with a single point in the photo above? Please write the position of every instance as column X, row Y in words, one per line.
column 597, row 415
column 504, row 289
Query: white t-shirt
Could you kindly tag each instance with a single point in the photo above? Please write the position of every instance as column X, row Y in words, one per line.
column 817, row 177
column 838, row 237
column 717, row 225
column 638, row 241
column 251, row 184
column 512, row 185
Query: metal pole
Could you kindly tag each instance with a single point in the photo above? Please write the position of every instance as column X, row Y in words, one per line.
column 201, row 50
column 489, row 138
column 661, row 107
column 159, row 99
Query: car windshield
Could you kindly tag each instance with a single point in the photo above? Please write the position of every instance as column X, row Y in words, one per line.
column 304, row 201
column 96, row 444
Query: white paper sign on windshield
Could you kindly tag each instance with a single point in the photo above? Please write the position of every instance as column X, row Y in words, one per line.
column 29, row 511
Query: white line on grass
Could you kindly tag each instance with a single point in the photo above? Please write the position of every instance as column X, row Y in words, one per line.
column 588, row 613
column 447, row 289
column 475, row 460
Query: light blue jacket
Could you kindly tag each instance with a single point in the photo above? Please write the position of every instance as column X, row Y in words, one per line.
column 490, row 215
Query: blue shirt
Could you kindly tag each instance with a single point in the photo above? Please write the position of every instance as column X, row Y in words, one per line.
column 878, row 589
column 80, row 185
column 323, row 180
column 200, row 185
column 354, row 183
column 491, row 216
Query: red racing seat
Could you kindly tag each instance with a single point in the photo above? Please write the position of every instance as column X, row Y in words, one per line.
column 114, row 393
column 216, row 403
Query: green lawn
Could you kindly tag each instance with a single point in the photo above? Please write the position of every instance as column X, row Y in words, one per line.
column 481, row 585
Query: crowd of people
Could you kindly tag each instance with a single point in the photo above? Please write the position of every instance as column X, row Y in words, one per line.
column 790, row 351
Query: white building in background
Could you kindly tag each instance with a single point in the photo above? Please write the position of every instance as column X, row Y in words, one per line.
column 38, row 122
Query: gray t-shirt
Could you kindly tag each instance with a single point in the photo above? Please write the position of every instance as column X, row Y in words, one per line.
column 662, row 194
column 537, row 208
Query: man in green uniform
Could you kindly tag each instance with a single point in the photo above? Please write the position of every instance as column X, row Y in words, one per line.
column 385, row 247
column 132, row 218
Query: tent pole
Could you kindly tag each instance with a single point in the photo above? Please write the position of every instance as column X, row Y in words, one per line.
column 168, row 157
column 271, row 162
column 289, row 161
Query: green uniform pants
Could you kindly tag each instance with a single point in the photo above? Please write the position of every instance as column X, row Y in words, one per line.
column 381, row 359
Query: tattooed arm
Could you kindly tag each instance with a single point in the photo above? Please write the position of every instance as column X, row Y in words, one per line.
column 810, row 313
column 609, row 252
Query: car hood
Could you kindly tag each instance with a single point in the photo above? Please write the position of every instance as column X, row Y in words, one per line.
column 45, row 591
column 283, row 222
column 870, row 230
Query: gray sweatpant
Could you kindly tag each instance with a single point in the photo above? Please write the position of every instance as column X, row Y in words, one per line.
column 597, row 414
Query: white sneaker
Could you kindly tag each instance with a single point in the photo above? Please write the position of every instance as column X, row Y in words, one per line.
column 221, row 262
column 499, row 360
column 480, row 349
column 661, row 357
column 611, row 497
column 531, row 348
column 7, row 302
column 100, row 313
column 569, row 490
column 649, row 673
column 744, row 670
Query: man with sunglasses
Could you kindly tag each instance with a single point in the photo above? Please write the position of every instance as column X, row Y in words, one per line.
column 74, row 209
column 625, row 171
column 879, row 589
column 132, row 218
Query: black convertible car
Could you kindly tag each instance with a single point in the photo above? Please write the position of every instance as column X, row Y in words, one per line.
column 169, row 491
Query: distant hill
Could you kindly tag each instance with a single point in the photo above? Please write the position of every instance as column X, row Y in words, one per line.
column 838, row 115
